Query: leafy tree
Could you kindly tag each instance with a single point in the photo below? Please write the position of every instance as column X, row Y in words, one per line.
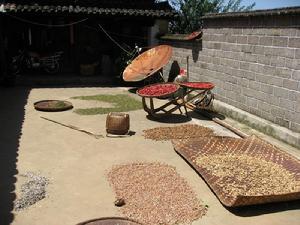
column 190, row 12
column 234, row 6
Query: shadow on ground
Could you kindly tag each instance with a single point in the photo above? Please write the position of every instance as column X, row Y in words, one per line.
column 172, row 118
column 12, row 109
column 256, row 210
column 198, row 116
column 182, row 118
column 133, row 90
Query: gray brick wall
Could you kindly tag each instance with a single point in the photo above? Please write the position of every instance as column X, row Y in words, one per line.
column 254, row 63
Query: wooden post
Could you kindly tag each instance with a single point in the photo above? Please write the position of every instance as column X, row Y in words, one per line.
column 187, row 69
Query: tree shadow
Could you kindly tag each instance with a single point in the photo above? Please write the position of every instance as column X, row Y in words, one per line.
column 12, row 111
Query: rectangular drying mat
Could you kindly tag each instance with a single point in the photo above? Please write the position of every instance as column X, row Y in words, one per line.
column 243, row 171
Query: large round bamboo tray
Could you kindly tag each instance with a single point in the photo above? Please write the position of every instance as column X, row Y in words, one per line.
column 253, row 159
column 198, row 85
column 110, row 221
column 157, row 90
column 194, row 35
column 52, row 105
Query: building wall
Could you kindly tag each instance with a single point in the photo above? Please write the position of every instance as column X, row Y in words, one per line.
column 254, row 62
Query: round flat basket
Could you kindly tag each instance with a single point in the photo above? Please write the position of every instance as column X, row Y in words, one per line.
column 110, row 221
column 53, row 105
column 198, row 85
column 158, row 90
column 194, row 35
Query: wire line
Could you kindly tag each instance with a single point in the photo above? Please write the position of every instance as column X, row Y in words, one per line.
column 114, row 41
column 45, row 25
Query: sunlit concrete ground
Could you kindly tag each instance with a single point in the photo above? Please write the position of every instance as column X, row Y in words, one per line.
column 77, row 163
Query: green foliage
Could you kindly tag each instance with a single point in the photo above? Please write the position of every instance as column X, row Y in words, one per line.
column 121, row 102
column 191, row 11
column 234, row 6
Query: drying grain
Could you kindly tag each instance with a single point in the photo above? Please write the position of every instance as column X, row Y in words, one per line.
column 177, row 132
column 155, row 194
column 249, row 176
column 32, row 191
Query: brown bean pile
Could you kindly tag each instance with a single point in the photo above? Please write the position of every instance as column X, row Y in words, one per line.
column 155, row 194
column 249, row 176
column 177, row 132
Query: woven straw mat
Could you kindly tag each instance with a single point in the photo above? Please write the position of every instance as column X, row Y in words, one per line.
column 243, row 171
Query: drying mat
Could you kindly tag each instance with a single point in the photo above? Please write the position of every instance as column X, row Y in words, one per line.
column 53, row 105
column 243, row 171
column 155, row 193
column 110, row 221
column 177, row 132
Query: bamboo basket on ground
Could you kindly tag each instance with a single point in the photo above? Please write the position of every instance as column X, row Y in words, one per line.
column 117, row 123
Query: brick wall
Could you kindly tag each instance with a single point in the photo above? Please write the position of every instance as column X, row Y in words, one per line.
column 253, row 60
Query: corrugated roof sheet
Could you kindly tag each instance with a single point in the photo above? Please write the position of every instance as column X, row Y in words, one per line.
column 36, row 8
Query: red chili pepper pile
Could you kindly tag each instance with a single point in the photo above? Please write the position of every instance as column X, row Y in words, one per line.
column 158, row 90
column 198, row 85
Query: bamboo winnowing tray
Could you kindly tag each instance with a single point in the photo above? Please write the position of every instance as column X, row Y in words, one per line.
column 261, row 162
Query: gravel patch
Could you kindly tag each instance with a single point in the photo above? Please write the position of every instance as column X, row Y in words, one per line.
column 155, row 194
column 32, row 191
column 177, row 132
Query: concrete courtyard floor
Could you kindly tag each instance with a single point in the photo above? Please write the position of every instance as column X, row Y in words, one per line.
column 77, row 163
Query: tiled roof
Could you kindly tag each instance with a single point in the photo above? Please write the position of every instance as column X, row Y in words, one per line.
column 263, row 12
column 132, row 4
column 36, row 8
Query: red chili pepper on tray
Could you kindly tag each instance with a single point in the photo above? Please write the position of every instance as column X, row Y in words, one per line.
column 199, row 85
column 157, row 90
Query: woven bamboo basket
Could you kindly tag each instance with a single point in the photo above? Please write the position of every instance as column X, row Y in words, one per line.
column 117, row 123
